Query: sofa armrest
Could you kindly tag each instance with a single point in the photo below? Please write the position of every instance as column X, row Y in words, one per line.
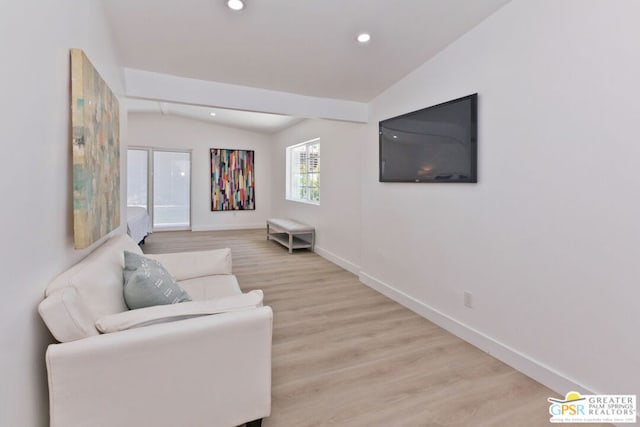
column 189, row 265
column 211, row 370
column 66, row 316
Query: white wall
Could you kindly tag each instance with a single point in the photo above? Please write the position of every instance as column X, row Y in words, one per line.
column 156, row 130
column 337, row 218
column 35, row 181
column 548, row 240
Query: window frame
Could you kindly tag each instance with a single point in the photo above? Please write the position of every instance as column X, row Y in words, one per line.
column 290, row 175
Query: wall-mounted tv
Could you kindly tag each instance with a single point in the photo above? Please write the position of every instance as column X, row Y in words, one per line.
column 435, row 144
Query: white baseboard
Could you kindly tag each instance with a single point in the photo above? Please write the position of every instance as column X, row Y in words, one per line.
column 338, row 260
column 228, row 227
column 512, row 357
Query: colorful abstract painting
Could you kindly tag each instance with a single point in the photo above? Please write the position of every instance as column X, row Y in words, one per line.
column 96, row 153
column 232, row 180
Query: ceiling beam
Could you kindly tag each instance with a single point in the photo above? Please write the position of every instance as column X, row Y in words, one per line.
column 167, row 88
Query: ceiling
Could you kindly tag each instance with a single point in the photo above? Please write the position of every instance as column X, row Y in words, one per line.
column 247, row 120
column 298, row 46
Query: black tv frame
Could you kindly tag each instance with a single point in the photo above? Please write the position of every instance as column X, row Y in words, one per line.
column 473, row 144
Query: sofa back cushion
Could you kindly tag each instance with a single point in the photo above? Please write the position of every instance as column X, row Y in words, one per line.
column 97, row 281
column 189, row 265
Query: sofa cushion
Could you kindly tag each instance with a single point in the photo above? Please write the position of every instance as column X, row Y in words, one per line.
column 110, row 250
column 210, row 287
column 98, row 277
column 169, row 313
column 189, row 265
column 99, row 286
column 148, row 283
column 92, row 289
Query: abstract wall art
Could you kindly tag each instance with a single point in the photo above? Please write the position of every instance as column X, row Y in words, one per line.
column 232, row 180
column 95, row 127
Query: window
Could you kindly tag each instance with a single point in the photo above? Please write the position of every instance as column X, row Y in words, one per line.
column 303, row 172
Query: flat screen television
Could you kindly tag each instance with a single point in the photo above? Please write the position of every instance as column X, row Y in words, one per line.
column 435, row 144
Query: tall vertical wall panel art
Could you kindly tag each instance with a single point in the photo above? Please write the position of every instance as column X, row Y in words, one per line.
column 96, row 153
column 232, row 180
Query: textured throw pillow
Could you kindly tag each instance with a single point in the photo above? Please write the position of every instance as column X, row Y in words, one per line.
column 148, row 283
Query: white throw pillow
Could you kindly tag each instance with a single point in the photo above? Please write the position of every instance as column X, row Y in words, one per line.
column 172, row 312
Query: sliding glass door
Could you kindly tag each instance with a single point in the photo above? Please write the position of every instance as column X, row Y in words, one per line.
column 171, row 189
column 138, row 178
column 160, row 181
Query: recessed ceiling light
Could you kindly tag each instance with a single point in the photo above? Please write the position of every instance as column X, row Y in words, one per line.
column 235, row 4
column 364, row 37
column 212, row 114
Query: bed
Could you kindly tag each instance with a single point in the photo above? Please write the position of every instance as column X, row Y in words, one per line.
column 138, row 223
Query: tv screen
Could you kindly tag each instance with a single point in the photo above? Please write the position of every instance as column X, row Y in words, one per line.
column 435, row 144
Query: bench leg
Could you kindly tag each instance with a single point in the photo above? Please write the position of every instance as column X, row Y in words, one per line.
column 254, row 423
column 267, row 231
column 290, row 243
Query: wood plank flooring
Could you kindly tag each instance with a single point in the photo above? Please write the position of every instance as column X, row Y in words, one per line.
column 345, row 355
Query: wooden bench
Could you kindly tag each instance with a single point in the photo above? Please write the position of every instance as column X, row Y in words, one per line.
column 291, row 234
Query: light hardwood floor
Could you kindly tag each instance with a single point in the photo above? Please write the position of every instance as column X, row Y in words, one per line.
column 344, row 355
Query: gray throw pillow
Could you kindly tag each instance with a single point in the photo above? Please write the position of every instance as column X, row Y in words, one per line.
column 148, row 283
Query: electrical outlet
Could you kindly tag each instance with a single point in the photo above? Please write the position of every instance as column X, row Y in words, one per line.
column 468, row 299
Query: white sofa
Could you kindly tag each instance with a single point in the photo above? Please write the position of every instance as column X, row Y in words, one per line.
column 169, row 369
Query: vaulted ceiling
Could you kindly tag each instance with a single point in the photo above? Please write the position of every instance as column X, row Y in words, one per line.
column 305, row 47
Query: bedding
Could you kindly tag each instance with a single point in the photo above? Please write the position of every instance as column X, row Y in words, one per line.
column 138, row 223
